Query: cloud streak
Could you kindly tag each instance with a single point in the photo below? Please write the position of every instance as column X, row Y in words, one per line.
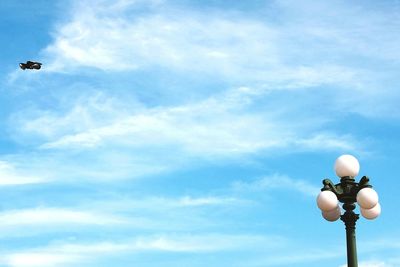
column 75, row 253
column 217, row 125
column 238, row 49
column 277, row 182
column 9, row 175
column 55, row 216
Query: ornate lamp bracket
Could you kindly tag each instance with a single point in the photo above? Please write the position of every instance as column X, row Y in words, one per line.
column 364, row 183
column 329, row 185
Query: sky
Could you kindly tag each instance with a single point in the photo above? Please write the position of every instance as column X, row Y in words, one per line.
column 194, row 133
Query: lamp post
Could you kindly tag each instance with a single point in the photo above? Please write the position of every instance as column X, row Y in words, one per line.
column 348, row 192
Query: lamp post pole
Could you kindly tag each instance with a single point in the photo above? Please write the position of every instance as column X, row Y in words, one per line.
column 349, row 218
column 348, row 192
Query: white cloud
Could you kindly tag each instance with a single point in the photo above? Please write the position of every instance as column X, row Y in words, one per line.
column 163, row 203
column 39, row 259
column 218, row 125
column 9, row 175
column 238, row 49
column 206, row 201
column 131, row 142
column 152, row 213
column 55, row 216
column 328, row 141
column 277, row 182
column 300, row 51
column 98, row 38
column 201, row 243
column 166, row 206
column 73, row 253
column 76, row 115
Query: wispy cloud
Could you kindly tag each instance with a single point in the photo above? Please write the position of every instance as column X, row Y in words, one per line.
column 72, row 115
column 55, row 216
column 238, row 49
column 39, row 259
column 68, row 253
column 188, row 201
column 221, row 126
column 167, row 205
column 328, row 141
column 217, row 125
column 9, row 175
column 129, row 43
column 277, row 181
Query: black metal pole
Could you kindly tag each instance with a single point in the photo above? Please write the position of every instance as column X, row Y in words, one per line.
column 350, row 218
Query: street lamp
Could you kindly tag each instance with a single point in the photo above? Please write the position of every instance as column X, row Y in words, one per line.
column 348, row 192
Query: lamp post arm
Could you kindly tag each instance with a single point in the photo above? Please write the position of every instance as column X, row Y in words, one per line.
column 364, row 183
column 329, row 185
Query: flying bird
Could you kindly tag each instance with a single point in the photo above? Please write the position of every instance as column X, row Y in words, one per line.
column 30, row 65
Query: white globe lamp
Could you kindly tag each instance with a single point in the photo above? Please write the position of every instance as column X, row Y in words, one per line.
column 367, row 198
column 332, row 215
column 371, row 214
column 347, row 165
column 327, row 200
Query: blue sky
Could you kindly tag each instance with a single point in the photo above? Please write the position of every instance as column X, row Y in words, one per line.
column 194, row 133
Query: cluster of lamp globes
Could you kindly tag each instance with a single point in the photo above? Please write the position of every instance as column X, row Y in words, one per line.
column 367, row 198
